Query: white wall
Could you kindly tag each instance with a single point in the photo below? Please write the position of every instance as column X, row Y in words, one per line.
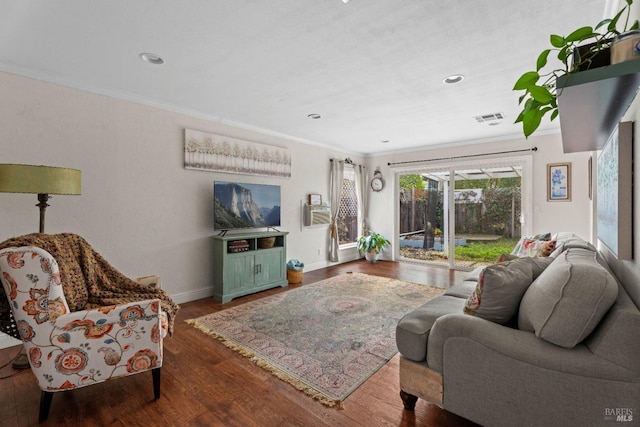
column 629, row 271
column 571, row 216
column 147, row 214
column 139, row 207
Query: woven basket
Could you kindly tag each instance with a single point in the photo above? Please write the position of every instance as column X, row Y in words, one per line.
column 266, row 242
column 294, row 276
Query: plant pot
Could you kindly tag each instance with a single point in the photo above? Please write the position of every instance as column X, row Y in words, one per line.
column 626, row 47
column 371, row 257
column 600, row 58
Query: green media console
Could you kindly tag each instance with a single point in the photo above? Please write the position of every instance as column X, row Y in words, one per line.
column 245, row 263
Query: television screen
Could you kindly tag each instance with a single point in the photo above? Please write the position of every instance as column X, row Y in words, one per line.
column 241, row 205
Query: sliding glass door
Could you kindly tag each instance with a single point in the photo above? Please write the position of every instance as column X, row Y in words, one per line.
column 462, row 215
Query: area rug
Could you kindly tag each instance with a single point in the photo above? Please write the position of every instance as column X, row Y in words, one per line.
column 326, row 338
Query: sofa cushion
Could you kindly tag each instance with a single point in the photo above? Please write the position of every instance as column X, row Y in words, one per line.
column 474, row 275
column 412, row 331
column 571, row 242
column 462, row 290
column 499, row 290
column 568, row 300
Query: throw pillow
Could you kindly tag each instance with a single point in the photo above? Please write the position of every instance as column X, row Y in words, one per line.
column 536, row 248
column 568, row 300
column 499, row 290
column 541, row 237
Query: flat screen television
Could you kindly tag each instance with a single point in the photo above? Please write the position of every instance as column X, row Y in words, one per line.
column 240, row 205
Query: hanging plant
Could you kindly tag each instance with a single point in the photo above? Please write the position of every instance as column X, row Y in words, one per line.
column 573, row 51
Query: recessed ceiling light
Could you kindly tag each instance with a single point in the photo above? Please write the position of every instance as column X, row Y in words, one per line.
column 314, row 116
column 151, row 58
column 453, row 78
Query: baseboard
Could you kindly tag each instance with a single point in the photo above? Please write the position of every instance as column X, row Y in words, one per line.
column 208, row 292
column 192, row 295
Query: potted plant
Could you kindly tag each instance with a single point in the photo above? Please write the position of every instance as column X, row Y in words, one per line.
column 372, row 244
column 579, row 49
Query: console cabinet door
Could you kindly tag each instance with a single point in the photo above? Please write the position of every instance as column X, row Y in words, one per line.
column 270, row 266
column 239, row 273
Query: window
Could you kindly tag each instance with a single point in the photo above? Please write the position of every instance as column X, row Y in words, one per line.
column 348, row 209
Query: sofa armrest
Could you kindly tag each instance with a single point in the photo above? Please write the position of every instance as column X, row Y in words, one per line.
column 518, row 345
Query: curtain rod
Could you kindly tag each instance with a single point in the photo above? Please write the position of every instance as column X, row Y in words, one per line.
column 461, row 157
column 347, row 160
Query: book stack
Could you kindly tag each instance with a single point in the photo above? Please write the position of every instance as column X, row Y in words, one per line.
column 235, row 246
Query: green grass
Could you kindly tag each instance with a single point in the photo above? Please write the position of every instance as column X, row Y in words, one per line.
column 485, row 251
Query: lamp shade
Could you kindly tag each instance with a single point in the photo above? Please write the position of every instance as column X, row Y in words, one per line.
column 39, row 179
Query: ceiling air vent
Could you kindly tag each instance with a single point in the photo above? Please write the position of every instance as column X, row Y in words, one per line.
column 488, row 118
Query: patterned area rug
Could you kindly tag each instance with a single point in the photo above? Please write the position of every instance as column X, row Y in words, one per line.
column 326, row 338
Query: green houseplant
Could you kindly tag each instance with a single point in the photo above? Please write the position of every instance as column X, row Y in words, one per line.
column 579, row 49
column 372, row 244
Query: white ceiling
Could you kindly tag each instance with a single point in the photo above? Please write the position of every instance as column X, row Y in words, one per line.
column 372, row 68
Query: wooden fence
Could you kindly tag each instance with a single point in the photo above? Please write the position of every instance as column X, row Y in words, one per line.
column 497, row 212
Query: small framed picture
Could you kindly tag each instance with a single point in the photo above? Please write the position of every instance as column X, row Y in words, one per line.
column 315, row 199
column 559, row 182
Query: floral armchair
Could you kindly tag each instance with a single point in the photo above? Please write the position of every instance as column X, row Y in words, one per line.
column 69, row 350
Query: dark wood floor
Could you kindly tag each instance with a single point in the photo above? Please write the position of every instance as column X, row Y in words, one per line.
column 206, row 384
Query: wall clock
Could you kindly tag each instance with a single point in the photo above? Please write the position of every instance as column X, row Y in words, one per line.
column 377, row 183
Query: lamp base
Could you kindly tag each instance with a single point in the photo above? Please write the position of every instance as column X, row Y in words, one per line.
column 42, row 204
column 20, row 362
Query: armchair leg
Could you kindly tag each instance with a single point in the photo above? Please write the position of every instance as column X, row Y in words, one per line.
column 155, row 373
column 408, row 400
column 45, row 404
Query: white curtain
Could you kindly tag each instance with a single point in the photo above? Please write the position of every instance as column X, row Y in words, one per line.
column 361, row 195
column 335, row 189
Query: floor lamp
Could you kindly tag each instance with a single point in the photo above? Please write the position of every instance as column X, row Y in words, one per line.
column 43, row 181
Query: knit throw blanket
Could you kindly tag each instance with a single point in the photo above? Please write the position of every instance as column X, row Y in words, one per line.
column 88, row 280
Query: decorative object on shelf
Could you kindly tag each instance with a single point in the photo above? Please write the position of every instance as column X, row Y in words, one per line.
column 236, row 246
column 559, row 182
column 40, row 180
column 315, row 199
column 615, row 192
column 540, row 99
column 206, row 151
column 372, row 244
column 266, row 242
column 625, row 47
column 377, row 183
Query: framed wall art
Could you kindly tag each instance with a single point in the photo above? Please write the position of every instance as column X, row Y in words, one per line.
column 615, row 192
column 315, row 199
column 559, row 182
column 209, row 152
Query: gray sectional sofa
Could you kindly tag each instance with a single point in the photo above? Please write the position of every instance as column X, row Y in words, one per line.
column 568, row 353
